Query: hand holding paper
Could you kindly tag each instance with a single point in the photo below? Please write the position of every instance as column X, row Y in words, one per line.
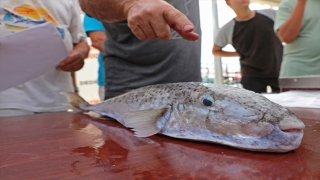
column 75, row 59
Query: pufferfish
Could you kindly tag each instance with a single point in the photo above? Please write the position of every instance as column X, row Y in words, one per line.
column 202, row 112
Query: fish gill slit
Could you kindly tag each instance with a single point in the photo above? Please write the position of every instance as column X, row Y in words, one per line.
column 262, row 117
column 163, row 113
column 207, row 118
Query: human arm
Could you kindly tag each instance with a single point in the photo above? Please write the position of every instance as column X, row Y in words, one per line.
column 290, row 29
column 97, row 39
column 217, row 51
column 147, row 19
column 80, row 49
column 75, row 59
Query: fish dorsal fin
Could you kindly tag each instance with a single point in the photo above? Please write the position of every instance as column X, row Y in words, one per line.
column 144, row 122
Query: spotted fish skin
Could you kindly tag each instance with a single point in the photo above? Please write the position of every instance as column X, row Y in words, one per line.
column 206, row 112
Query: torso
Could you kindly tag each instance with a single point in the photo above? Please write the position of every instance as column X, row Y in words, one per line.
column 132, row 63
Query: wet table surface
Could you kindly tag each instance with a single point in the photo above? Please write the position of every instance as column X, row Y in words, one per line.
column 76, row 146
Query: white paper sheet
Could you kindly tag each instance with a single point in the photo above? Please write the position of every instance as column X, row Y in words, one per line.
column 303, row 99
column 28, row 54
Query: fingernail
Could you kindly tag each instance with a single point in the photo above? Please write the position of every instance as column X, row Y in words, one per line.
column 188, row 28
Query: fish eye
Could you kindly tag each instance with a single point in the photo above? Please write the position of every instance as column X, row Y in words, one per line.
column 206, row 100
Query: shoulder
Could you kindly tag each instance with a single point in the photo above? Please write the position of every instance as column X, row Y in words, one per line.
column 270, row 13
column 224, row 34
column 227, row 29
column 228, row 26
column 92, row 24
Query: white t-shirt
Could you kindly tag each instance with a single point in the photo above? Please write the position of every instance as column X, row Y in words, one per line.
column 42, row 93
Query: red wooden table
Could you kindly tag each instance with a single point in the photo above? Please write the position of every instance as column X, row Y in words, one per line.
column 75, row 146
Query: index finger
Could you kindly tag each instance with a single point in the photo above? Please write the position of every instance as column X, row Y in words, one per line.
column 180, row 23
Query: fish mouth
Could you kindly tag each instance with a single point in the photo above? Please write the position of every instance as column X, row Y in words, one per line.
column 293, row 131
column 291, row 125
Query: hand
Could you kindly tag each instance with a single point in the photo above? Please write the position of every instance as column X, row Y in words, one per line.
column 73, row 62
column 153, row 19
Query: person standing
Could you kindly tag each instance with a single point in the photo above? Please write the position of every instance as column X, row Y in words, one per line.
column 251, row 34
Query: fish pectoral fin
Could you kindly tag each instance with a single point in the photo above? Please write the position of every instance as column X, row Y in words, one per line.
column 144, row 122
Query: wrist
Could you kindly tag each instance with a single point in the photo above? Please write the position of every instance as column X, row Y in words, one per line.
column 82, row 49
column 126, row 6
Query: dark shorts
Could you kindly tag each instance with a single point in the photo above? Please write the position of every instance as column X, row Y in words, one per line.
column 259, row 85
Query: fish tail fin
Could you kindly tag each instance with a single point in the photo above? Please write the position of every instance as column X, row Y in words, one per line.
column 76, row 102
